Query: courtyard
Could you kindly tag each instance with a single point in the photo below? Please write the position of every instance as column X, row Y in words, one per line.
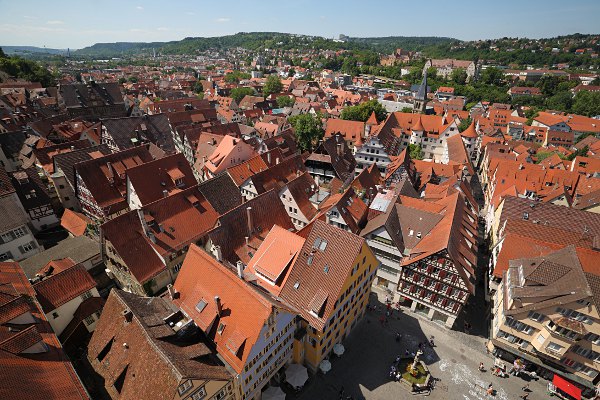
column 363, row 370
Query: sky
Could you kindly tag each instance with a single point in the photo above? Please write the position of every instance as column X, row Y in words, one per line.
column 76, row 24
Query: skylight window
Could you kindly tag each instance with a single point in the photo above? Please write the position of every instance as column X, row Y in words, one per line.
column 221, row 328
column 201, row 305
column 296, row 285
column 326, row 269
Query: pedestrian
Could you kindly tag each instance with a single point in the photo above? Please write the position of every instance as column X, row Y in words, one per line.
column 490, row 390
column 481, row 367
column 342, row 392
column 525, row 388
column 406, row 353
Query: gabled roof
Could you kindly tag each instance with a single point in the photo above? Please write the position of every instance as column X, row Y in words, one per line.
column 53, row 374
column 62, row 287
column 265, row 211
column 350, row 130
column 244, row 310
column 319, row 273
column 272, row 261
column 149, row 341
column 549, row 281
column 448, row 234
column 172, row 224
column 221, row 192
column 104, row 177
column 151, row 179
column 149, row 128
column 279, row 175
column 67, row 161
column 76, row 223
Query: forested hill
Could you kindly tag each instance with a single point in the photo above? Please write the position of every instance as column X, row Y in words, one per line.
column 258, row 40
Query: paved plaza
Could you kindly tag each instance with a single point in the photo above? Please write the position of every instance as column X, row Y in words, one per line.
column 371, row 349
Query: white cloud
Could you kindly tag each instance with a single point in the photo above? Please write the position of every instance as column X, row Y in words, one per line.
column 140, row 7
column 222, row 19
column 137, row 30
column 162, row 29
column 29, row 17
column 190, row 13
column 55, row 22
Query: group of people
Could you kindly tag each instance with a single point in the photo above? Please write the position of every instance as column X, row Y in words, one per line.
column 499, row 369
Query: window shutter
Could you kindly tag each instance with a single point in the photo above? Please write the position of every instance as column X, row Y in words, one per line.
column 442, row 274
column 444, row 302
column 22, row 250
column 437, row 286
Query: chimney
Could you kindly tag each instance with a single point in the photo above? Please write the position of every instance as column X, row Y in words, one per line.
column 339, row 149
column 219, row 305
column 219, row 253
column 247, row 240
column 269, row 157
column 277, row 160
column 172, row 292
column 240, row 269
column 249, row 219
column 328, row 217
column 165, row 193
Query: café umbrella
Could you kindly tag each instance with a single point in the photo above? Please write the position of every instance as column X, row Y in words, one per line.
column 338, row 349
column 325, row 366
column 296, row 375
column 273, row 393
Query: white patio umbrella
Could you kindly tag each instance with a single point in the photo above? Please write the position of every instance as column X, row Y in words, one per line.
column 339, row 349
column 325, row 366
column 273, row 393
column 296, row 375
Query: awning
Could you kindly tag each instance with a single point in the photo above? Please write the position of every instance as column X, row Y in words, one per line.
column 567, row 387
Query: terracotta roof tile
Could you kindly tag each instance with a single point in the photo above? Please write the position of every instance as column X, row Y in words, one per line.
column 244, row 313
column 62, row 287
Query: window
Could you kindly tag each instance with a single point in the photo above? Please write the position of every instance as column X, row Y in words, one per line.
column 541, row 338
column 86, row 295
column 184, row 387
column 221, row 328
column 55, row 315
column 554, row 347
column 535, row 316
column 5, row 256
column 27, row 247
column 89, row 320
column 177, row 266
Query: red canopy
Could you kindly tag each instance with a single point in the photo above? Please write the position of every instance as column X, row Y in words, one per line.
column 567, row 387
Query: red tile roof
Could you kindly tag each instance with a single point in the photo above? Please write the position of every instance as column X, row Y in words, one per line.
column 244, row 311
column 76, row 223
column 317, row 277
column 52, row 373
column 62, row 287
column 151, row 179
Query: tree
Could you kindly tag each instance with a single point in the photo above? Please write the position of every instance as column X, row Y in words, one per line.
column 2, row 55
column 406, row 110
column 363, row 111
column 581, row 152
column 459, row 76
column 236, row 77
column 291, row 72
column 464, row 124
column 561, row 101
column 122, row 80
column 198, row 88
column 272, row 85
column 308, row 129
column 239, row 93
column 285, row 101
column 415, row 152
column 586, row 103
column 492, row 76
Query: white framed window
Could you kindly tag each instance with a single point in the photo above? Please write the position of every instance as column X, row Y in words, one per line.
column 554, row 347
column 184, row 387
column 89, row 320
column 5, row 256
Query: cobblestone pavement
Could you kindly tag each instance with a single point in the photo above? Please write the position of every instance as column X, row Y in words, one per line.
column 371, row 349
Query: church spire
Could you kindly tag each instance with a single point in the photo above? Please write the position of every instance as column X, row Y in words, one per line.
column 420, row 101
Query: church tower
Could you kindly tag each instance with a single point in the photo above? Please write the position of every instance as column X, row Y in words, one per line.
column 421, row 97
